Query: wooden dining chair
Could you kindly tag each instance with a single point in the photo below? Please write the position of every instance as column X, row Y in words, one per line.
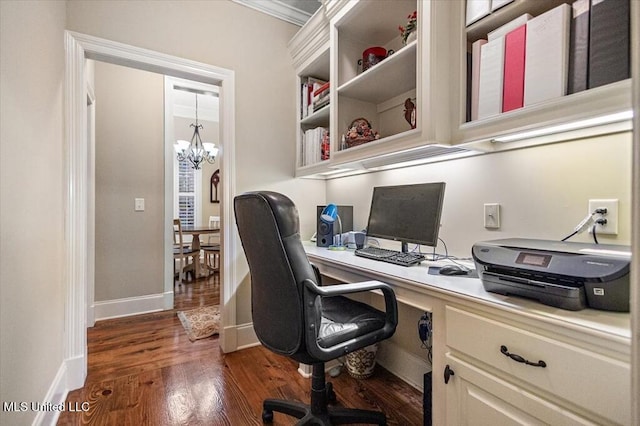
column 211, row 248
column 182, row 251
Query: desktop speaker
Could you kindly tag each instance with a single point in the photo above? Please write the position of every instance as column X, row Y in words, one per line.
column 326, row 231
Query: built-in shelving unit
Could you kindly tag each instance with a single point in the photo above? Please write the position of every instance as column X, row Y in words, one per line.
column 379, row 93
column 432, row 72
column 610, row 99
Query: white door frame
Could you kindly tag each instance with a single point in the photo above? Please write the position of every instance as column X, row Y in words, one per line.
column 91, row 203
column 78, row 48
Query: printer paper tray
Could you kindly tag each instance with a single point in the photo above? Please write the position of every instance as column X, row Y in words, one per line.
column 565, row 297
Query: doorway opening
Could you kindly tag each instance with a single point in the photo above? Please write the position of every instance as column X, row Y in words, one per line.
column 196, row 197
column 80, row 47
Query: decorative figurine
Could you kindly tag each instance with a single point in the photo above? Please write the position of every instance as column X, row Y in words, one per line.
column 410, row 112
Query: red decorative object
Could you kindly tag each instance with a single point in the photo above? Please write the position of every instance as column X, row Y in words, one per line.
column 411, row 27
column 325, row 150
column 372, row 56
column 360, row 132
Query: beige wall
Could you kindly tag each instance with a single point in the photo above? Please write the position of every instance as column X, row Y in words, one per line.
column 129, row 164
column 32, row 211
column 256, row 51
column 31, row 201
column 31, row 192
column 543, row 192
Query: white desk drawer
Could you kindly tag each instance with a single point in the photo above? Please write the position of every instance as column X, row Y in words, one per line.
column 597, row 383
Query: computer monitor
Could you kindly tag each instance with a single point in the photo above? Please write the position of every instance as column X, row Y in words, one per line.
column 407, row 213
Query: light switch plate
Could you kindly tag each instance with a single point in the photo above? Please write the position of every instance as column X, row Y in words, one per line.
column 139, row 204
column 492, row 215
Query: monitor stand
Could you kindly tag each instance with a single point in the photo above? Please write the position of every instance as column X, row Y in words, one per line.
column 405, row 247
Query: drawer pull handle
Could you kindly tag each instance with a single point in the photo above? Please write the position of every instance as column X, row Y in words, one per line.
column 448, row 372
column 518, row 358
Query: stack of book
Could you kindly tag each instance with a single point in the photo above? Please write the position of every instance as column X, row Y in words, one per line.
column 562, row 51
column 315, row 95
column 315, row 146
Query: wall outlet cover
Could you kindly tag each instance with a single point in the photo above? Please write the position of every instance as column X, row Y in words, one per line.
column 611, row 205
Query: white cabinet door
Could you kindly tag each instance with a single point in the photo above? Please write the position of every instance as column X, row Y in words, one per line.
column 589, row 380
column 475, row 397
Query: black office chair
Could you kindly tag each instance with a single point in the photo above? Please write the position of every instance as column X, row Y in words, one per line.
column 294, row 316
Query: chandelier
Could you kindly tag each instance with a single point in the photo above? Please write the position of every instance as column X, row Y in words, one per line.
column 196, row 151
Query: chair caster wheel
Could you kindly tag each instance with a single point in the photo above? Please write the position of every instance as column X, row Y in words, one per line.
column 331, row 395
column 267, row 416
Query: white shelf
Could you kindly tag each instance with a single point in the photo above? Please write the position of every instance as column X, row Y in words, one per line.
column 604, row 100
column 318, row 118
column 391, row 77
column 313, row 169
column 507, row 13
column 375, row 148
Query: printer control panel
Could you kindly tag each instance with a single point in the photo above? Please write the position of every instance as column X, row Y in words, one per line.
column 533, row 259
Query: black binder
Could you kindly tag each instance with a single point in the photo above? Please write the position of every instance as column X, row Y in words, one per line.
column 609, row 42
column 579, row 47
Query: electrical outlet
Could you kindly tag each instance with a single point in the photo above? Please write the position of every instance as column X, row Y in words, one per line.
column 492, row 215
column 139, row 204
column 611, row 227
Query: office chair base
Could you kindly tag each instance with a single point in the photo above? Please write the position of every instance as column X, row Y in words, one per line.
column 333, row 415
column 318, row 413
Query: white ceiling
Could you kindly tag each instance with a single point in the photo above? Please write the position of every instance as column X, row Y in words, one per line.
column 293, row 11
column 184, row 104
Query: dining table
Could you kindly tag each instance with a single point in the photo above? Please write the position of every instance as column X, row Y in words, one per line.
column 195, row 231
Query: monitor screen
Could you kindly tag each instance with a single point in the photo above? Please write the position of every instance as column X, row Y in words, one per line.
column 407, row 213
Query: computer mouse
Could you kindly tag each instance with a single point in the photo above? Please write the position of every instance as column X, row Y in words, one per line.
column 453, row 270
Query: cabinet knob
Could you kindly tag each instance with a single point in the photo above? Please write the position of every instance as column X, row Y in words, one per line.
column 448, row 372
column 505, row 351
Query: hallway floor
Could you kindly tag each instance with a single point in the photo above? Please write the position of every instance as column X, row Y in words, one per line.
column 143, row 370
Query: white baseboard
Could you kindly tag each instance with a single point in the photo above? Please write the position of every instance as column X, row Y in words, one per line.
column 405, row 365
column 168, row 300
column 129, row 306
column 91, row 315
column 76, row 372
column 246, row 336
column 306, row 370
column 56, row 396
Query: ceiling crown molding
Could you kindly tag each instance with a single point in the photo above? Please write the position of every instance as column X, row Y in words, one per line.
column 284, row 10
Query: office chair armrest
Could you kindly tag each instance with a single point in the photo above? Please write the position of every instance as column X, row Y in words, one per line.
column 339, row 289
column 312, row 295
column 391, row 304
column 316, row 271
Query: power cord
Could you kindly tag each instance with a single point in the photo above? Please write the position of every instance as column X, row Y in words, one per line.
column 587, row 222
column 601, row 221
column 439, row 256
column 425, row 332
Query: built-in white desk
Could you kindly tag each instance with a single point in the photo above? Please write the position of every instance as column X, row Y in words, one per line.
column 587, row 352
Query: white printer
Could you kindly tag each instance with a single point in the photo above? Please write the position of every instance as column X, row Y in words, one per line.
column 566, row 275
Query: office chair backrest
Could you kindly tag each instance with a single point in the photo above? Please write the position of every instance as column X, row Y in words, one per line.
column 268, row 225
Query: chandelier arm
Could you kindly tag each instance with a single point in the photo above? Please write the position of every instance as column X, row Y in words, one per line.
column 196, row 152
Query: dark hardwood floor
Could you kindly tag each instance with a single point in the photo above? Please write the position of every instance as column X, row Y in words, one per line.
column 143, row 370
